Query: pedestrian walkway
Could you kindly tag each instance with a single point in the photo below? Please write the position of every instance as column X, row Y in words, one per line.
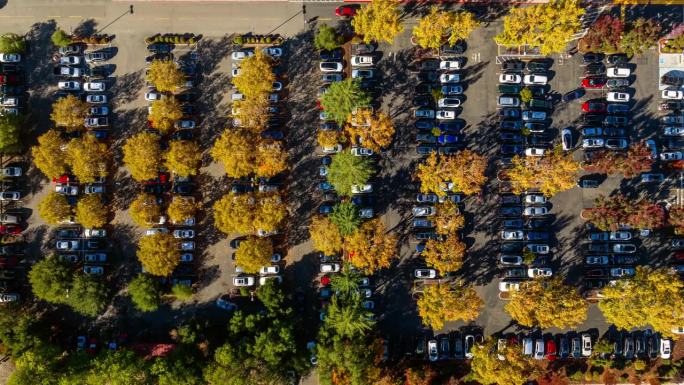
column 588, row 19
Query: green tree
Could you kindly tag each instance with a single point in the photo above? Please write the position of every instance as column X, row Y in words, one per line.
column 344, row 360
column 327, row 38
column 144, row 292
column 347, row 170
column 118, row 367
column 50, row 279
column 182, row 292
column 54, row 208
column 10, row 127
column 60, row 38
column 346, row 217
column 347, row 319
column 342, row 98
column 88, row 295
column 346, row 283
column 12, row 43
column 177, row 369
column 639, row 36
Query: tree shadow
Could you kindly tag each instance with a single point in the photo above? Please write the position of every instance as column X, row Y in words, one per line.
column 86, row 28
column 127, row 87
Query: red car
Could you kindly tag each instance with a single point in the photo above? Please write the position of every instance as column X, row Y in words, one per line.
column 10, row 229
column 9, row 79
column 550, row 350
column 8, row 262
column 593, row 82
column 348, row 10
column 679, row 255
column 65, row 179
column 592, row 106
column 162, row 178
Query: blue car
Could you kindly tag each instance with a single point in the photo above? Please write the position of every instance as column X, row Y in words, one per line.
column 447, row 139
column 323, row 171
column 325, row 186
column 325, row 209
column 455, row 125
column 420, row 247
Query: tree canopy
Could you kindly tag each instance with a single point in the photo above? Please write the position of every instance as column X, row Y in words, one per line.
column 91, row 212
column 346, row 170
column 651, row 297
column 325, row 235
column 10, row 129
column 183, row 157
column 448, row 302
column 254, row 253
column 487, row 369
column 164, row 75
column 463, row 172
column 439, row 27
column 12, row 43
column 327, row 37
column 54, row 208
column 47, row 154
column 256, row 76
column 445, row 255
column 546, row 303
column 144, row 292
column 142, row 156
column 342, row 98
column 346, row 217
column 234, row 148
column 374, row 131
column 60, row 38
column 69, row 112
column 553, row 173
column 50, row 279
column 371, row 247
column 247, row 213
column 548, row 26
column 378, row 21
column 640, row 35
column 158, row 253
column 145, row 210
column 164, row 113
column 87, row 157
column 181, row 209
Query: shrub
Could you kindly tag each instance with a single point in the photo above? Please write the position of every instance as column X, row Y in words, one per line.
column 181, row 292
column 60, row 38
column 639, row 365
column 268, row 39
column 238, row 40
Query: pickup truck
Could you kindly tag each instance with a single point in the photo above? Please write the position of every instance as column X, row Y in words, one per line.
column 68, row 71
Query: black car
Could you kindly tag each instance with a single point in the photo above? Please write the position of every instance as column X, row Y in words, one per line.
column 615, row 132
column 615, row 59
column 239, row 188
column 513, row 137
column 427, row 76
column 537, row 140
column 188, row 109
column 537, row 236
column 362, row 200
column 511, row 149
column 182, row 135
column 425, row 65
column 328, row 126
column 184, row 189
column 512, row 65
column 593, row 118
column 666, row 106
column 9, row 69
column 11, row 90
column 155, row 189
column 539, row 65
column 94, row 244
column 617, row 83
column 423, row 101
column 510, row 124
column 333, row 54
column 675, row 143
column 590, row 58
column 537, row 223
column 424, row 88
column 594, row 69
column 448, row 150
column 574, row 94
column 278, row 70
column 424, row 124
column 516, row 223
column 187, row 97
column 160, row 48
column 513, row 113
column 455, row 49
column 162, row 56
column 454, row 125
column 360, row 49
column 510, row 211
column 68, row 233
column 272, row 134
column 585, row 182
column 426, row 149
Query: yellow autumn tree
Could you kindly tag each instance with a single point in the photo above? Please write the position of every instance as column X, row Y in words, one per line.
column 91, row 212
column 69, row 112
column 181, row 209
column 374, row 131
column 183, row 157
column 270, row 212
column 462, row 25
column 54, row 208
column 234, row 213
column 371, row 247
column 548, row 26
column 551, row 174
column 164, row 75
column 378, row 21
column 271, row 157
column 158, row 253
column 325, row 235
column 462, row 172
column 252, row 112
column 235, row 149
column 48, row 154
column 256, row 76
column 546, row 303
column 447, row 302
column 142, row 156
column 448, row 219
column 164, row 113
column 328, row 138
column 445, row 255
column 254, row 253
column 87, row 157
column 145, row 210
column 432, row 29
column 487, row 369
column 653, row 296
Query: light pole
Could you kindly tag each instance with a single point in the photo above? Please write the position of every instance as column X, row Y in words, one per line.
column 129, row 11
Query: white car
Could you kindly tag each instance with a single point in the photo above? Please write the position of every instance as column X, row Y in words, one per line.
column 156, row 230
column 620, row 236
column 425, row 273
column 70, row 60
column 187, row 245
column 586, row 345
column 96, row 86
column 95, row 257
column 184, row 234
column 446, row 115
column 433, row 352
column 618, row 272
column 66, row 189
column 10, row 196
column 539, row 80
column 534, row 151
column 592, row 143
column 244, row 281
column 235, row 72
column 9, row 297
column 153, row 95
column 264, row 279
column 566, row 139
column 9, row 101
column 450, row 65
column 332, row 150
column 506, row 286
column 11, row 171
column 512, row 235
column 10, row 57
column 361, row 151
column 330, row 267
column 671, row 155
column 269, row 270
column 362, row 61
column 448, row 102
column 618, row 72
column 241, row 55
column 539, row 272
column 672, row 94
column 95, row 233
column 330, row 66
column 96, row 99
column 673, row 131
column 535, row 211
column 665, row 348
column 361, row 189
column 70, row 85
column 449, row 78
column 510, row 79
column 539, row 349
column 424, row 211
column 538, row 248
column 273, row 51
column 621, row 97
column 535, row 199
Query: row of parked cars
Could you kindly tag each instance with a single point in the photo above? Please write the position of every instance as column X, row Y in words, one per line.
column 11, row 84
column 273, row 131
